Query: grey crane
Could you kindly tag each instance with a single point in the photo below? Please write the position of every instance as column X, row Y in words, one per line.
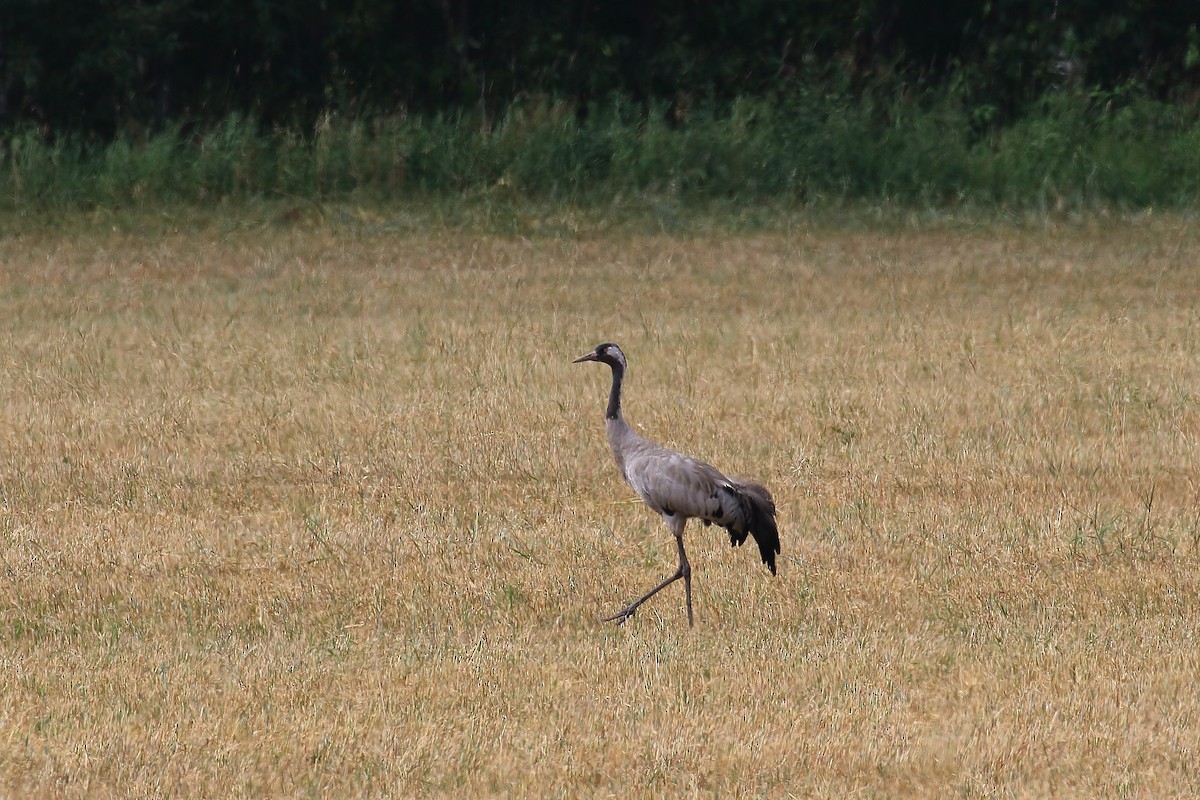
column 679, row 488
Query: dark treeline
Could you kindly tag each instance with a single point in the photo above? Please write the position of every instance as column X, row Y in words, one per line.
column 114, row 67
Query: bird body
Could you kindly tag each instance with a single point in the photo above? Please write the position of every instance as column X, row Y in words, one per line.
column 679, row 487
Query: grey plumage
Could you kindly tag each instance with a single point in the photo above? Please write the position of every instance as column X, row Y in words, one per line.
column 680, row 488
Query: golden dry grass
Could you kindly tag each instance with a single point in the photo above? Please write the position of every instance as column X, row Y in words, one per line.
column 305, row 511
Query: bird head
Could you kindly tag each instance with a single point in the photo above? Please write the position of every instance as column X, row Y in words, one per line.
column 607, row 353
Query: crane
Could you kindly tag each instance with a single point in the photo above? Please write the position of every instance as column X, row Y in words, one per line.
column 679, row 487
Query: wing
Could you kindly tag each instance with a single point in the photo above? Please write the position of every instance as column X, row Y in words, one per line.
column 671, row 483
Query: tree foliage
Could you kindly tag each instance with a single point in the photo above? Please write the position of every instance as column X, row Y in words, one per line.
column 103, row 67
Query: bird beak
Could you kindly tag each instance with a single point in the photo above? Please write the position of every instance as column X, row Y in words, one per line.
column 589, row 357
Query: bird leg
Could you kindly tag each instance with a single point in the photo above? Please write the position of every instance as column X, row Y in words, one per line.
column 684, row 571
column 628, row 611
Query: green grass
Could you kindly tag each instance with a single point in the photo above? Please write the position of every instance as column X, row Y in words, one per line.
column 1074, row 151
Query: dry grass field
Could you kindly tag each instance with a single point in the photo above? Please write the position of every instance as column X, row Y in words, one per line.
column 302, row 510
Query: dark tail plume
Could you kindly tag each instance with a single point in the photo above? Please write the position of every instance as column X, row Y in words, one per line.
column 758, row 510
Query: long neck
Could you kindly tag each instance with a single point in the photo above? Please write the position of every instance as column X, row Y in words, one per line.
column 614, row 396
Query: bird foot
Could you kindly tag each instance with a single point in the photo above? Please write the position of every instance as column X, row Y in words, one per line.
column 623, row 614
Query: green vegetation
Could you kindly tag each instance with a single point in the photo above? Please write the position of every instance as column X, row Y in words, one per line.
column 1077, row 152
column 1011, row 105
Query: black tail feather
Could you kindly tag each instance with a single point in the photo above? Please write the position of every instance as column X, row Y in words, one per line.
column 759, row 512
